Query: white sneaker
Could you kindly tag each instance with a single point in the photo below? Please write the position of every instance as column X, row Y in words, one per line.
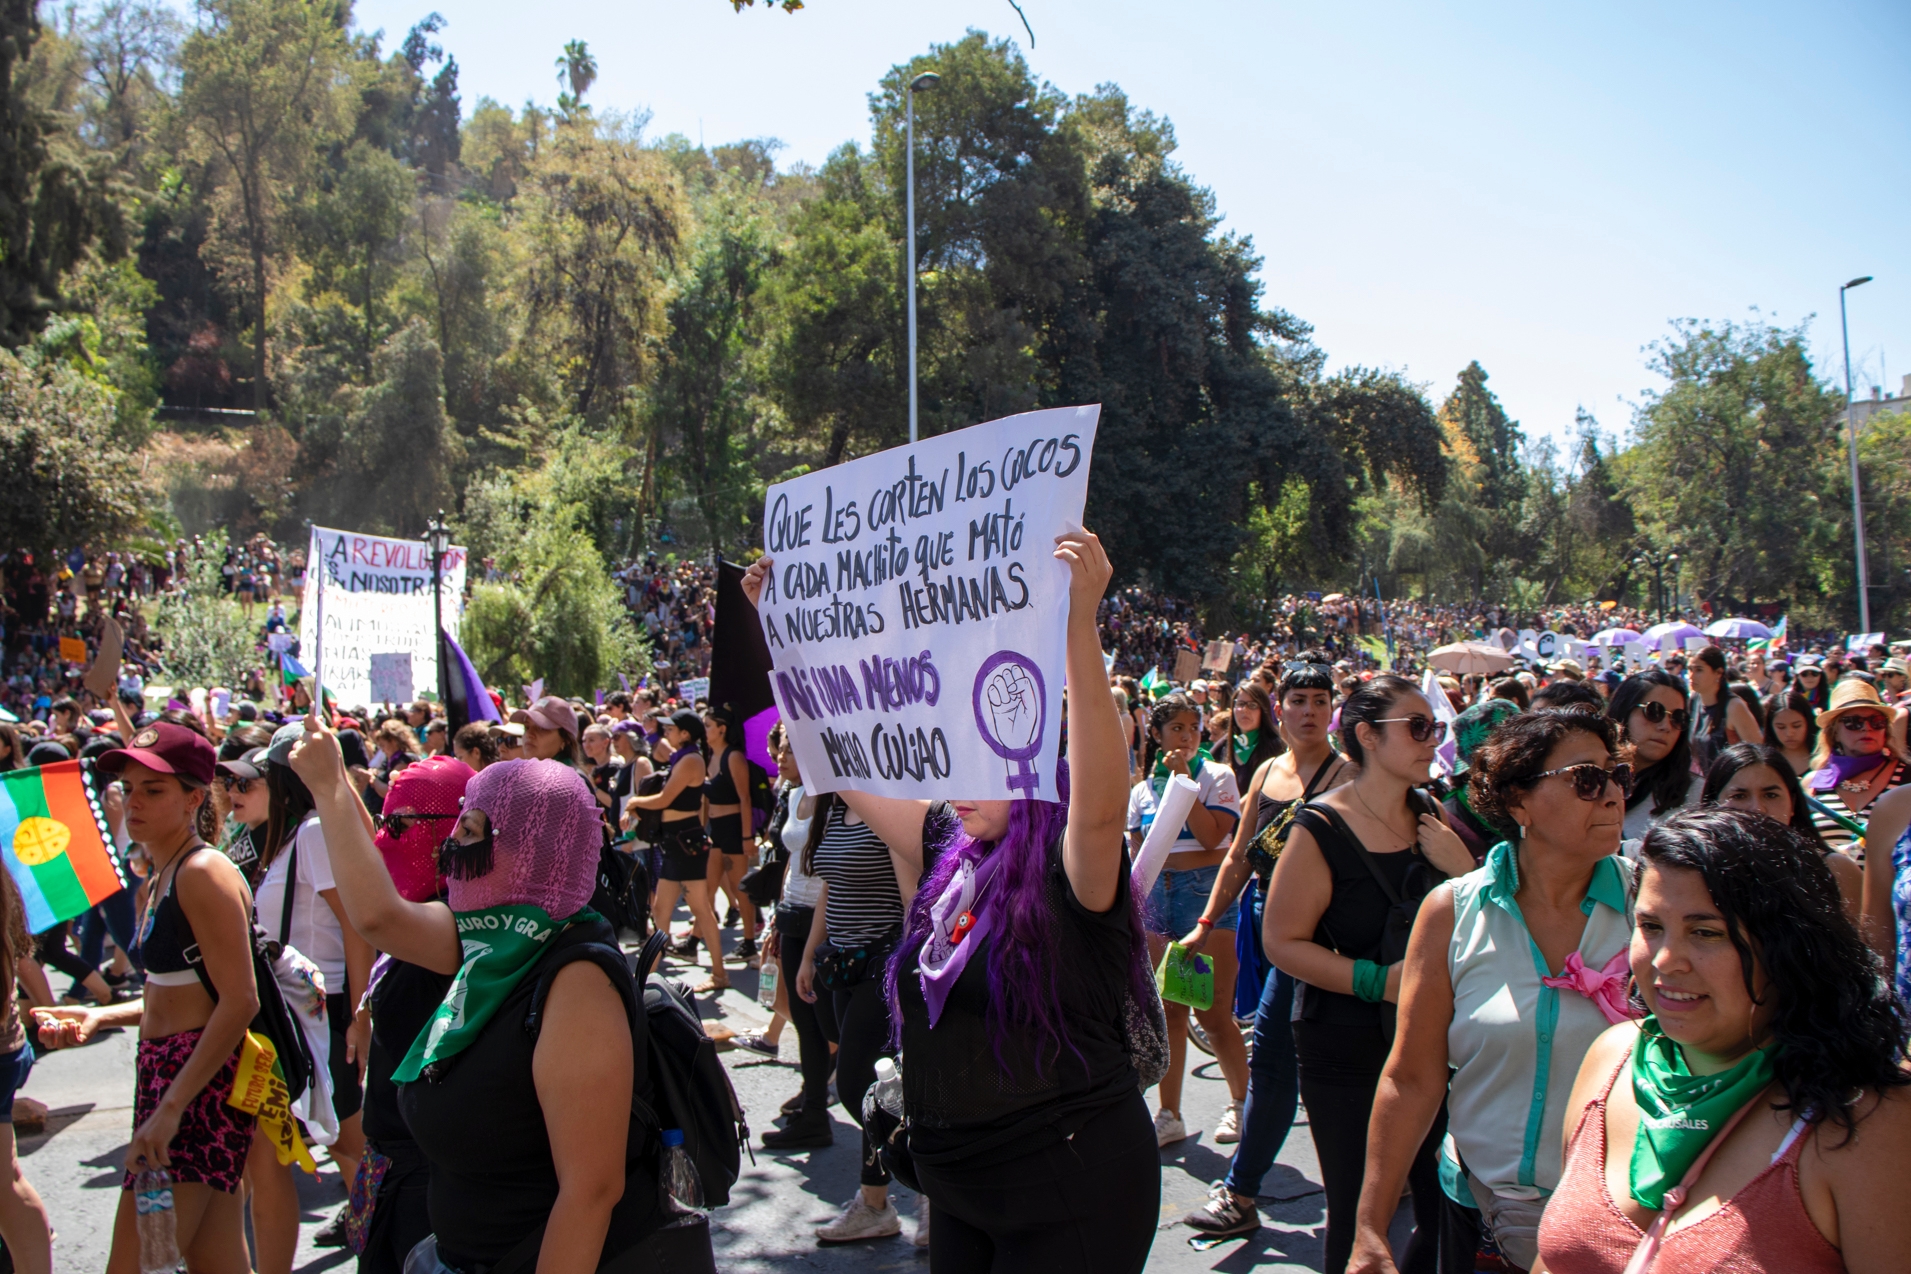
column 1169, row 1128
column 858, row 1220
column 1229, row 1129
column 922, row 1220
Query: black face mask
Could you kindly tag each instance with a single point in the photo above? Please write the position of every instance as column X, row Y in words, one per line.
column 458, row 860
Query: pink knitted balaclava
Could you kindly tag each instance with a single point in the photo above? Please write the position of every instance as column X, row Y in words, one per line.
column 434, row 785
column 546, row 835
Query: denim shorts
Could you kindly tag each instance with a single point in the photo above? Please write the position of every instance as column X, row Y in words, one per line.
column 1180, row 897
column 14, row 1069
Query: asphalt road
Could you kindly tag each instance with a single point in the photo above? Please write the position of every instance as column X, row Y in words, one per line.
column 774, row 1208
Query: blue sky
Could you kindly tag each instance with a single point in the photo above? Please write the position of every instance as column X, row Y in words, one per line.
column 1538, row 186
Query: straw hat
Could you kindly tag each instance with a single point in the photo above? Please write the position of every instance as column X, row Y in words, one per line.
column 1850, row 695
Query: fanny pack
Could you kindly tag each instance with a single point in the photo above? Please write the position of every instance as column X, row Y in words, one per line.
column 839, row 968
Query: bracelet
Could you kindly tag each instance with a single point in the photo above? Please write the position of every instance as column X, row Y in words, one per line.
column 1204, row 923
column 1370, row 981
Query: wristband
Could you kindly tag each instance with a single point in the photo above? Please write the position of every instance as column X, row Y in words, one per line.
column 1370, row 981
column 1204, row 923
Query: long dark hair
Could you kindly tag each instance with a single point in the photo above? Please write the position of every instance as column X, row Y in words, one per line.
column 15, row 758
column 1166, row 709
column 1837, row 1026
column 1368, row 704
column 819, row 823
column 1668, row 780
column 1741, row 755
column 1266, row 746
column 1791, row 701
column 15, row 942
column 290, row 804
column 1024, row 975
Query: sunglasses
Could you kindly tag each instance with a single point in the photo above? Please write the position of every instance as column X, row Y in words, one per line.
column 399, row 824
column 1808, row 672
column 1860, row 723
column 233, row 784
column 1657, row 712
column 1419, row 728
column 1589, row 780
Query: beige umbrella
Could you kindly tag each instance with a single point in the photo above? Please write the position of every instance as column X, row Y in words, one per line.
column 1463, row 657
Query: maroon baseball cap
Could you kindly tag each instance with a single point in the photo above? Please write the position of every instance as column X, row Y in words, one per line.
column 169, row 749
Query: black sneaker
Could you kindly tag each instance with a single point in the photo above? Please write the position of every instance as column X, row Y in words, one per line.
column 1224, row 1218
column 804, row 1132
column 684, row 946
column 744, row 949
column 333, row 1232
column 732, row 918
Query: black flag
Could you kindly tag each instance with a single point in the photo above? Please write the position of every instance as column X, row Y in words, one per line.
column 740, row 665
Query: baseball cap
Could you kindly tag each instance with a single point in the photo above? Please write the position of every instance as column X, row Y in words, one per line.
column 279, row 751
column 169, row 749
column 250, row 765
column 548, row 713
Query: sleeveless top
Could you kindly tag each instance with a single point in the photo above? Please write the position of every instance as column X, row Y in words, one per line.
column 1515, row 1043
column 719, row 788
column 1354, row 924
column 1838, row 837
column 1708, row 728
column 165, row 935
column 1584, row 1232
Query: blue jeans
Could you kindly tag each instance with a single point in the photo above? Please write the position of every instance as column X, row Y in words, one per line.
column 1179, row 898
column 1273, row 1088
column 14, row 1069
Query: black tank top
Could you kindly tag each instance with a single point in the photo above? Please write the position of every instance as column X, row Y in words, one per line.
column 167, row 935
column 401, row 1003
column 1354, row 924
column 493, row 1180
column 1708, row 730
column 719, row 788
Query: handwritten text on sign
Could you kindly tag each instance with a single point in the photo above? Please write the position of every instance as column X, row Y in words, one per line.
column 377, row 600
column 916, row 615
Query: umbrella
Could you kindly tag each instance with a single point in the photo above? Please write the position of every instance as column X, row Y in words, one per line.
column 1738, row 629
column 1335, row 597
column 1672, row 635
column 1463, row 657
column 1615, row 637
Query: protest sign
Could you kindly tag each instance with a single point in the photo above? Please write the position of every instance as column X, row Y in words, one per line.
column 73, row 650
column 377, row 598
column 1218, row 656
column 916, row 615
column 1187, row 666
column 694, row 690
column 103, row 677
column 1856, row 643
column 391, row 677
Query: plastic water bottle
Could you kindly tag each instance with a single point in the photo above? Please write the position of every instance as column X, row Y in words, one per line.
column 158, row 1227
column 888, row 1087
column 680, row 1174
column 766, row 984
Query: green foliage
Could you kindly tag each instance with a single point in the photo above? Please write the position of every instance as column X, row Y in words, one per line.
column 70, row 481
column 206, row 641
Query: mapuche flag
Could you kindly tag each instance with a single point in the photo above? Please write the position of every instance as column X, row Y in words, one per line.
column 55, row 842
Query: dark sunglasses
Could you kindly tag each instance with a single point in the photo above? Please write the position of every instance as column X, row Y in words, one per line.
column 399, row 824
column 1589, row 780
column 1858, row 723
column 1657, row 712
column 1419, row 728
column 234, row 784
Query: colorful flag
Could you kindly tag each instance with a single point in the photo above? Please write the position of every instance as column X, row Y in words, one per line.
column 55, row 842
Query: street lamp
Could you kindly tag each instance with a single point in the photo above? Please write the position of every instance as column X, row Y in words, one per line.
column 1658, row 561
column 1851, row 448
column 438, row 540
column 922, row 83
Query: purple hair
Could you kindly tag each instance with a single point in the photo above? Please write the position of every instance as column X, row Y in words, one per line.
column 1024, row 993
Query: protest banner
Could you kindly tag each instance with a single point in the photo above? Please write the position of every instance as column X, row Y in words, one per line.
column 1187, row 666
column 1856, row 643
column 694, row 690
column 73, row 650
column 377, row 598
column 391, row 677
column 1218, row 655
column 916, row 614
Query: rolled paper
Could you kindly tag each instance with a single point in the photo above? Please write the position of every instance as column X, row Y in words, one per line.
column 1171, row 812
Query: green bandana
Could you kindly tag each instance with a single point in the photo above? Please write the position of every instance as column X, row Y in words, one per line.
column 1245, row 743
column 1201, row 756
column 500, row 946
column 1679, row 1112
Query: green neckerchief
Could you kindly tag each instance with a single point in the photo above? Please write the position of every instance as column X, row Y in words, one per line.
column 500, row 946
column 1244, row 745
column 1679, row 1112
column 1201, row 756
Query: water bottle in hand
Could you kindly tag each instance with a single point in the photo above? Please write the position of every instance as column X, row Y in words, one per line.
column 766, row 984
column 158, row 1227
column 888, row 1087
column 680, row 1174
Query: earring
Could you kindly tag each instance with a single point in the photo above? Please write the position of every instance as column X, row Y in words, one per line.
column 1522, row 828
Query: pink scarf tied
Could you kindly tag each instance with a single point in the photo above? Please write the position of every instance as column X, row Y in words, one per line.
column 1604, row 987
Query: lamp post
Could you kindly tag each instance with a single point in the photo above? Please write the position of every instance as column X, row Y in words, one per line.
column 438, row 539
column 922, row 83
column 1851, row 448
column 1658, row 561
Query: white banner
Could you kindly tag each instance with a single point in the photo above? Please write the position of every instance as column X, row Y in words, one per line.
column 377, row 600
column 916, row 616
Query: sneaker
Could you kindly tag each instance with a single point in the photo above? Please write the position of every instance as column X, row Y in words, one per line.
column 759, row 1043
column 794, row 1104
column 1223, row 1216
column 732, row 918
column 858, row 1220
column 1169, row 1128
column 684, row 946
column 333, row 1233
column 804, row 1132
column 1229, row 1129
column 922, row 1220
column 743, row 950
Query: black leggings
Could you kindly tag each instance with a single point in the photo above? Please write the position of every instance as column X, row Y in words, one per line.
column 1340, row 1069
column 50, row 949
column 812, row 1040
column 1089, row 1203
column 862, row 1035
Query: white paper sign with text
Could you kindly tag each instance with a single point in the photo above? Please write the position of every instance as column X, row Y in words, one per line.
column 377, row 601
column 917, row 617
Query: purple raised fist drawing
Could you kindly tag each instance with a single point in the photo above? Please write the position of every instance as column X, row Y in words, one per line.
column 1011, row 705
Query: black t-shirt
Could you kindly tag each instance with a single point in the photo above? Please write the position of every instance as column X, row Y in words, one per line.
column 964, row 1100
column 402, row 1002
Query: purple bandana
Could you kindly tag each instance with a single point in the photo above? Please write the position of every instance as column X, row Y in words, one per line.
column 1842, row 768
column 943, row 957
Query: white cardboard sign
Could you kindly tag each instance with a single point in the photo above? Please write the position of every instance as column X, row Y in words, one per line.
column 916, row 614
column 376, row 599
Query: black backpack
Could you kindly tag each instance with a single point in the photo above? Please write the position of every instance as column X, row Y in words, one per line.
column 691, row 1089
column 649, row 826
column 622, row 894
column 762, row 797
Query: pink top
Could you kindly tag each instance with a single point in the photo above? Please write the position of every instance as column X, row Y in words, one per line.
column 1584, row 1232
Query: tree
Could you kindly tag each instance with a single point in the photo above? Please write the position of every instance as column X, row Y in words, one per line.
column 256, row 94
column 205, row 641
column 577, row 68
column 352, row 225
column 70, row 481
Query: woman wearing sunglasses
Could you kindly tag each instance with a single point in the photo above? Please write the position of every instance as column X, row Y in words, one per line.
column 1357, row 863
column 1650, row 707
column 1852, row 765
column 1513, row 972
column 1809, row 677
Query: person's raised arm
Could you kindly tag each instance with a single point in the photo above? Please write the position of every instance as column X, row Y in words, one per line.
column 1097, row 757
column 1413, row 1084
column 1890, row 815
column 421, row 933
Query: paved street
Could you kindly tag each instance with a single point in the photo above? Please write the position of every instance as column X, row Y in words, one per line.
column 767, row 1225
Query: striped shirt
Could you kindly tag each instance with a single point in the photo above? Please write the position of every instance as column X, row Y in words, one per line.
column 863, row 903
column 1836, row 836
